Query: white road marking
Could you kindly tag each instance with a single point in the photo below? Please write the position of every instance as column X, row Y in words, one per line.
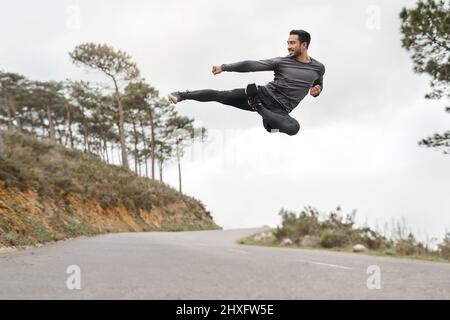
column 327, row 264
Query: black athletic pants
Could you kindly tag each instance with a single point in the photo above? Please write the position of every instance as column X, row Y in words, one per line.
column 274, row 116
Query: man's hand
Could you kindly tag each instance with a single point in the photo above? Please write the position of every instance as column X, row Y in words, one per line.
column 315, row 90
column 216, row 70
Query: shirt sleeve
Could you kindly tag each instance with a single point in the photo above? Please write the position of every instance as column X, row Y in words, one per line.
column 319, row 81
column 251, row 65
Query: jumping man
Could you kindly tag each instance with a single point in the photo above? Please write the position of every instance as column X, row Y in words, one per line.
column 295, row 75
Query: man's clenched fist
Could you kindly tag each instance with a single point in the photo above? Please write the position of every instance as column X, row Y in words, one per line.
column 315, row 90
column 216, row 70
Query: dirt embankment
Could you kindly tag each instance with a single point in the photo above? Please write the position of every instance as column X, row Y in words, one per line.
column 26, row 218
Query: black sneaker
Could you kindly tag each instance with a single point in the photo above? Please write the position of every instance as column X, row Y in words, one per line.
column 252, row 96
column 174, row 97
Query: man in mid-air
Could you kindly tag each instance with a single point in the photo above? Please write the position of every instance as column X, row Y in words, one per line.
column 295, row 75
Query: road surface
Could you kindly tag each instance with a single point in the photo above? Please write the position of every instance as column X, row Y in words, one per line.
column 210, row 265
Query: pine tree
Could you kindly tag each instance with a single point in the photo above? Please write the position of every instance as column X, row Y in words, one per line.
column 12, row 91
column 182, row 134
column 118, row 66
column 49, row 102
column 426, row 34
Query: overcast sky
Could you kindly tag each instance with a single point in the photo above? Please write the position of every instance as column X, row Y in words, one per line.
column 357, row 146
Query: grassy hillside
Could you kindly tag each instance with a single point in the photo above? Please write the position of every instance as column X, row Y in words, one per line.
column 49, row 192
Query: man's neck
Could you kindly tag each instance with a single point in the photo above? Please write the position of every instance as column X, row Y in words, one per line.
column 304, row 57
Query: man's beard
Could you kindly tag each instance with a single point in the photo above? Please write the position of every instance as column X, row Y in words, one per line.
column 295, row 54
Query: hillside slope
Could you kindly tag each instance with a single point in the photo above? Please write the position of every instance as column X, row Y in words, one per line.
column 49, row 192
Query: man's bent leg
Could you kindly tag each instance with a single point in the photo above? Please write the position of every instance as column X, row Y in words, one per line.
column 236, row 97
column 281, row 121
column 267, row 126
column 275, row 118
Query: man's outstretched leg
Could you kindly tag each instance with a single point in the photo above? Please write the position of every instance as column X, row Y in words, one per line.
column 245, row 99
column 236, row 97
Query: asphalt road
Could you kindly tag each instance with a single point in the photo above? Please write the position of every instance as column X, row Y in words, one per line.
column 210, row 265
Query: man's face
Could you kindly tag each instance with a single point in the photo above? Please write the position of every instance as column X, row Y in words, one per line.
column 295, row 48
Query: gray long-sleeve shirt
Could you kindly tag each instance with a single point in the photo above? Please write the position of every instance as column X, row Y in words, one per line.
column 292, row 81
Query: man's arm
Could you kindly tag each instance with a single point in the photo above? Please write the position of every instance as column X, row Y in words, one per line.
column 318, row 82
column 251, row 65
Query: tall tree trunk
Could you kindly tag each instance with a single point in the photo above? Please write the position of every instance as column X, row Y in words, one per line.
column 179, row 167
column 51, row 126
column 16, row 116
column 123, row 146
column 89, row 139
column 69, row 125
column 2, row 145
column 19, row 123
column 101, row 149
column 120, row 156
column 66, row 139
column 85, row 130
column 9, row 114
column 41, row 125
column 145, row 149
column 160, row 162
column 146, row 165
column 135, row 148
column 152, row 130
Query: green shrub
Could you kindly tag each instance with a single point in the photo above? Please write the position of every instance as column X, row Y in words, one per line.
column 12, row 238
column 444, row 247
column 296, row 227
column 333, row 239
column 371, row 239
column 333, row 231
column 406, row 246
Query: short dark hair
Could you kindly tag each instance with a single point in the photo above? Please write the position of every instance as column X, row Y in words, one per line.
column 303, row 36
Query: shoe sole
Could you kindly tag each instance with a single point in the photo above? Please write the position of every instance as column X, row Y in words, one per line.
column 251, row 91
column 172, row 99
